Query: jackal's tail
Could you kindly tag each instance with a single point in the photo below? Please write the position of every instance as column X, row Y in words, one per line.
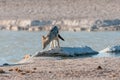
column 60, row 37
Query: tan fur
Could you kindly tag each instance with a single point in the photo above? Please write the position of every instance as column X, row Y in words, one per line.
column 52, row 37
column 45, row 41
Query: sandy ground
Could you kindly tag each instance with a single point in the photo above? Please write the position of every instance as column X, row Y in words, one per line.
column 59, row 9
column 66, row 69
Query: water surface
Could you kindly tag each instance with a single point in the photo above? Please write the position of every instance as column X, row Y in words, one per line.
column 14, row 45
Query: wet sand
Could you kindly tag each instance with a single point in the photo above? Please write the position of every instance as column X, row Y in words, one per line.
column 38, row 68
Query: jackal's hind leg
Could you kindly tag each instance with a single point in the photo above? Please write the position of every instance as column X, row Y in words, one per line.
column 51, row 45
column 58, row 43
column 55, row 43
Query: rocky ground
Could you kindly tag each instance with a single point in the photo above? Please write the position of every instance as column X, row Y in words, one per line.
column 78, row 15
column 59, row 9
column 67, row 69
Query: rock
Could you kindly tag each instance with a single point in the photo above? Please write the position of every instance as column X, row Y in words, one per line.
column 27, row 71
column 67, row 51
column 35, row 28
column 8, row 27
column 10, row 69
column 5, row 64
column 112, row 49
column 99, row 68
column 2, row 71
column 24, row 23
column 23, row 73
column 14, row 28
column 16, row 69
column 34, row 68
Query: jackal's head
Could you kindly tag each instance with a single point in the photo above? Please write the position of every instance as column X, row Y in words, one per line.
column 45, row 41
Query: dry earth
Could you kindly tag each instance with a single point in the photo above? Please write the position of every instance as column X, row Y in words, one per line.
column 59, row 9
column 67, row 69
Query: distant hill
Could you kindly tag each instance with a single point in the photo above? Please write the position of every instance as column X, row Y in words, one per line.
column 59, row 9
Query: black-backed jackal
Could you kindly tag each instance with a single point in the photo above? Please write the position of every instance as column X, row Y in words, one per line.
column 52, row 37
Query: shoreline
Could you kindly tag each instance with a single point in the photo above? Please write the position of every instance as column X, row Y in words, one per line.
column 38, row 68
column 63, row 24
